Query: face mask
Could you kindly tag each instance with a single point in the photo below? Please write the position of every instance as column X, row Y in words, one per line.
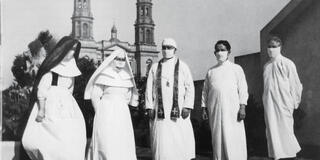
column 274, row 52
column 222, row 56
column 168, row 53
column 120, row 62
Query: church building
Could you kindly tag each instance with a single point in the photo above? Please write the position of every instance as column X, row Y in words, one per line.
column 141, row 54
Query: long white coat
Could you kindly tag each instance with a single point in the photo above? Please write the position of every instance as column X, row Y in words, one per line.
column 225, row 88
column 171, row 140
column 282, row 94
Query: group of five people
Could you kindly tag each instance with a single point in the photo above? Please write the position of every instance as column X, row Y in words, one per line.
column 56, row 127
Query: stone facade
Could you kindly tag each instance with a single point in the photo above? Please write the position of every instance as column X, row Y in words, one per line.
column 141, row 54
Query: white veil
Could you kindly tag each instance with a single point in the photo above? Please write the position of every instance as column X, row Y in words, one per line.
column 104, row 72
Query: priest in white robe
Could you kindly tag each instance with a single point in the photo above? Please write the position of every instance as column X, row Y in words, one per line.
column 282, row 94
column 224, row 97
column 169, row 101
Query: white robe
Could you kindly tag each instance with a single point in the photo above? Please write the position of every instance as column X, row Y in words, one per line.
column 62, row 133
column 282, row 94
column 225, row 88
column 112, row 137
column 171, row 140
column 110, row 92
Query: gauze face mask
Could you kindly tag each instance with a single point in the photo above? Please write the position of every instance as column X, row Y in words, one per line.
column 222, row 56
column 274, row 52
column 168, row 53
column 120, row 62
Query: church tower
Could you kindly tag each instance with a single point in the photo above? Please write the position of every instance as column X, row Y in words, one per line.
column 114, row 33
column 146, row 49
column 144, row 26
column 82, row 20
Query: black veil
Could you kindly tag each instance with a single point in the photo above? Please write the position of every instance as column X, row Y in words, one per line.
column 52, row 60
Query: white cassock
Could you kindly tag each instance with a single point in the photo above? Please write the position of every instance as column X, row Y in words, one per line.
column 171, row 140
column 282, row 94
column 225, row 88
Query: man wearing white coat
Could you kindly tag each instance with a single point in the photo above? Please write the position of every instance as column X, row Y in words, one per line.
column 169, row 101
column 224, row 97
column 282, row 94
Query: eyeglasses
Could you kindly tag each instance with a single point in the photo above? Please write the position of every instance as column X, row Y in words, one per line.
column 167, row 47
column 120, row 59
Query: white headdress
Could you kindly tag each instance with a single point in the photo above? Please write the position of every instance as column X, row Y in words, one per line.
column 67, row 69
column 105, row 75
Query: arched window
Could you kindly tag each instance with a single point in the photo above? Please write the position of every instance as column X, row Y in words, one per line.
column 78, row 29
column 85, row 30
column 141, row 11
column 141, row 35
column 79, row 4
column 152, row 36
column 147, row 12
column 149, row 38
column 84, row 3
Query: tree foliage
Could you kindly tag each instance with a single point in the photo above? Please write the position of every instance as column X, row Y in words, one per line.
column 15, row 111
column 16, row 107
column 87, row 67
column 23, row 71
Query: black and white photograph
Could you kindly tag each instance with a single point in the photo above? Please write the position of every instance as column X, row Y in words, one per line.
column 160, row 80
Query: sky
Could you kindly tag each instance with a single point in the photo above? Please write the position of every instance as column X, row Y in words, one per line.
column 195, row 24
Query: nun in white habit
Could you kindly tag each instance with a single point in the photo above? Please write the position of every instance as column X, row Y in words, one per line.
column 56, row 127
column 111, row 88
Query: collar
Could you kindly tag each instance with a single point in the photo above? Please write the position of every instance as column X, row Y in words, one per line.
column 67, row 69
column 223, row 63
column 276, row 58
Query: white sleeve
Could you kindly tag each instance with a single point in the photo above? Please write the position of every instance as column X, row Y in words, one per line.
column 242, row 86
column 133, row 97
column 44, row 85
column 149, row 101
column 189, row 88
column 295, row 85
column 96, row 95
column 205, row 90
